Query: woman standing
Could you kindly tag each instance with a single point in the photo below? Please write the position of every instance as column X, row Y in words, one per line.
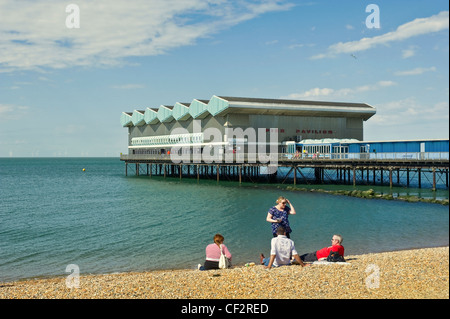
column 278, row 215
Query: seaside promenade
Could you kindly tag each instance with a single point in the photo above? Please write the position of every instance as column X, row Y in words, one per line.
column 409, row 274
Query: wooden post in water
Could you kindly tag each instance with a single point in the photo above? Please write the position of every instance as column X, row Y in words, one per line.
column 240, row 174
column 354, row 176
column 420, row 177
column 407, row 176
column 390, row 177
column 446, row 177
column 217, row 172
column 434, row 179
column 295, row 176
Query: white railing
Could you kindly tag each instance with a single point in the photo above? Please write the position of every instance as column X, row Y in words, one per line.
column 255, row 158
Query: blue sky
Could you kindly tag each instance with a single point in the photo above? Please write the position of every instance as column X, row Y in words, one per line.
column 62, row 89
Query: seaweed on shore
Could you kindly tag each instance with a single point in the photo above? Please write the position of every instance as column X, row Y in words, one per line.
column 371, row 194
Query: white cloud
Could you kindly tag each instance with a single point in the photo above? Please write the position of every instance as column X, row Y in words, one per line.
column 128, row 86
column 408, row 53
column 301, row 45
column 409, row 112
column 12, row 112
column 321, row 93
column 416, row 71
column 271, row 42
column 408, row 119
column 69, row 129
column 414, row 28
column 33, row 34
column 5, row 109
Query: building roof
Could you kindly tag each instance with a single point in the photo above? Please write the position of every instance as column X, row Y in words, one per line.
column 181, row 111
column 222, row 105
column 125, row 119
column 138, row 118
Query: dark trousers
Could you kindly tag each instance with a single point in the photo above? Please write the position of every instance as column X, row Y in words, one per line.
column 310, row 257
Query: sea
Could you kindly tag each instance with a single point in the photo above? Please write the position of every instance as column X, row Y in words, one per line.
column 61, row 212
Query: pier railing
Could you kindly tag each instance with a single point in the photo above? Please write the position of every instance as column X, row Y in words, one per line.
column 288, row 157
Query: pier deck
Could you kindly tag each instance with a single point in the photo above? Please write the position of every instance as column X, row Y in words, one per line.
column 416, row 170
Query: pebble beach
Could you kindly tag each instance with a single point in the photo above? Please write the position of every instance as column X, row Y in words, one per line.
column 408, row 274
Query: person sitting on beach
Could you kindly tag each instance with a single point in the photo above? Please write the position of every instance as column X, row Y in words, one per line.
column 281, row 251
column 213, row 252
column 321, row 254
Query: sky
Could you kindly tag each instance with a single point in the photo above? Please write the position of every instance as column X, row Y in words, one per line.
column 69, row 69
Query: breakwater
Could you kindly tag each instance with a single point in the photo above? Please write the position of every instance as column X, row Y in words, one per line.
column 371, row 194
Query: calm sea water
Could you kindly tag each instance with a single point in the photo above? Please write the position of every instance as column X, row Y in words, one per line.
column 52, row 214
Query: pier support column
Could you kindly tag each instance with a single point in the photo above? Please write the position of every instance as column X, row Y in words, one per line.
column 420, row 177
column 240, row 174
column 217, row 173
column 295, row 176
column 390, row 177
column 434, row 179
column 446, row 177
column 407, row 177
column 354, row 176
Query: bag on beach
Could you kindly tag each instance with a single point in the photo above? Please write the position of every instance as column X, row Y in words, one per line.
column 335, row 257
column 223, row 261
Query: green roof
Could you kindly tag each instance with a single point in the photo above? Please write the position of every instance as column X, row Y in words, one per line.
column 222, row 105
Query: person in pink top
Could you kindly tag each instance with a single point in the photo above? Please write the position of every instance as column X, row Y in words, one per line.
column 336, row 245
column 213, row 253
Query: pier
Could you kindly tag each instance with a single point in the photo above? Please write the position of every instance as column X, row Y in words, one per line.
column 416, row 170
